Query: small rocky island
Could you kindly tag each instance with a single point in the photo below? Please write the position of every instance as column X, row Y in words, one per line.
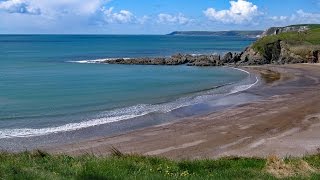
column 277, row 45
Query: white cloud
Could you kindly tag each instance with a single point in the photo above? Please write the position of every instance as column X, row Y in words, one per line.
column 64, row 13
column 52, row 7
column 173, row 19
column 62, row 16
column 299, row 17
column 123, row 16
column 143, row 19
column 18, row 6
column 279, row 18
column 241, row 11
column 305, row 17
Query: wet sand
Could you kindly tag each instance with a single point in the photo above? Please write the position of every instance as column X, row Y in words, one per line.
column 286, row 122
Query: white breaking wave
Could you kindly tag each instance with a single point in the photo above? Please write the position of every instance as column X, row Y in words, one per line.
column 94, row 61
column 120, row 114
column 107, row 117
column 203, row 54
column 243, row 87
column 88, row 61
column 240, row 70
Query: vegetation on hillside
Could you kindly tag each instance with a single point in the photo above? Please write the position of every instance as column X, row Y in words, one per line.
column 40, row 165
column 301, row 42
column 252, row 34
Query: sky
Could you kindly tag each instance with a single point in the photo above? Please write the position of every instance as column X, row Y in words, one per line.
column 151, row 16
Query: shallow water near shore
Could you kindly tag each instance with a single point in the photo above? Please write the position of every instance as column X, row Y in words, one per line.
column 43, row 93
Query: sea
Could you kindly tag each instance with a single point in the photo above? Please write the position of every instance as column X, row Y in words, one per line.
column 53, row 88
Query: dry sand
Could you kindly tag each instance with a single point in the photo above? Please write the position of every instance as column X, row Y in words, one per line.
column 285, row 123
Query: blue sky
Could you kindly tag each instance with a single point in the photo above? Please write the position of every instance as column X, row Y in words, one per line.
column 151, row 16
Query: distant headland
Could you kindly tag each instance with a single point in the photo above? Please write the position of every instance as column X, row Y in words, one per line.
column 248, row 34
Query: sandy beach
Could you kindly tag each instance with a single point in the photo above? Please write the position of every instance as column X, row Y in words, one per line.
column 286, row 122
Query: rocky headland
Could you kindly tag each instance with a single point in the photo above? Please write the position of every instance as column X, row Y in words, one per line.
column 285, row 45
column 243, row 34
column 277, row 45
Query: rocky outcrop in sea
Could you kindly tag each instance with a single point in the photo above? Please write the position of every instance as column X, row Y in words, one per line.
column 178, row 59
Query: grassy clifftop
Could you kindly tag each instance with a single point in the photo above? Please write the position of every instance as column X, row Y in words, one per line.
column 291, row 44
column 40, row 165
column 285, row 45
column 308, row 37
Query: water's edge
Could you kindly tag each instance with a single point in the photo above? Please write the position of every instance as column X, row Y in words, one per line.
column 143, row 116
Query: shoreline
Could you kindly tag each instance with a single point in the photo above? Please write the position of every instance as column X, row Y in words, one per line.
column 200, row 103
column 273, row 125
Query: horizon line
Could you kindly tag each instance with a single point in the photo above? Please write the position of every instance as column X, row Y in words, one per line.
column 120, row 33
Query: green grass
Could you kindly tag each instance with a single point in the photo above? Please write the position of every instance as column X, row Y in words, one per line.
column 307, row 39
column 41, row 165
column 309, row 25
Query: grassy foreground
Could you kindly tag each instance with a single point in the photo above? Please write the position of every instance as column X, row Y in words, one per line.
column 40, row 165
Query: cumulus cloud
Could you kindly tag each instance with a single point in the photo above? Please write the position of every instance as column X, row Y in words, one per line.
column 143, row 19
column 299, row 17
column 62, row 16
column 241, row 11
column 52, row 7
column 123, row 16
column 18, row 6
column 173, row 19
column 305, row 17
column 279, row 18
column 57, row 9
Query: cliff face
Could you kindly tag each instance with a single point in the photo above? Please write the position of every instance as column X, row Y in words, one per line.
column 278, row 30
column 278, row 52
column 285, row 45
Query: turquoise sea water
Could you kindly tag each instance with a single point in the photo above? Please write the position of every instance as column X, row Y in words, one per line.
column 44, row 90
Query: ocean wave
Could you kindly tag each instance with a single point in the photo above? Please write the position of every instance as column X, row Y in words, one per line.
column 103, row 118
column 94, row 61
column 131, row 112
column 241, row 88
column 240, row 70
column 199, row 54
column 244, row 87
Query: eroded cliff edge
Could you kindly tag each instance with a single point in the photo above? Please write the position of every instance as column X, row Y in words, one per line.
column 285, row 45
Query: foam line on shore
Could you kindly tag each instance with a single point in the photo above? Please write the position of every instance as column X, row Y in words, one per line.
column 241, row 88
column 124, row 113
column 240, row 70
column 244, row 87
column 107, row 117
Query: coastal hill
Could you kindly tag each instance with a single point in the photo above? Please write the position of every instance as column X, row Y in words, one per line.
column 249, row 34
column 285, row 45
